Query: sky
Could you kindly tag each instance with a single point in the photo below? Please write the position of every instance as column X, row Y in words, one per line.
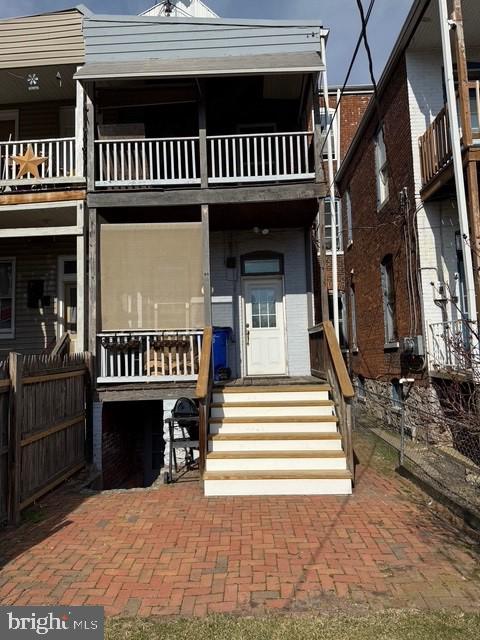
column 340, row 16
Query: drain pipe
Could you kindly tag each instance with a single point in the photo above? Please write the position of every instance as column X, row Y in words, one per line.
column 445, row 25
column 333, row 211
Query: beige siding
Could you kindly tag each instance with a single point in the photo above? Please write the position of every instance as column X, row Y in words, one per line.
column 35, row 259
column 54, row 38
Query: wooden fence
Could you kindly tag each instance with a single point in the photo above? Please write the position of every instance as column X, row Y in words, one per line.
column 43, row 402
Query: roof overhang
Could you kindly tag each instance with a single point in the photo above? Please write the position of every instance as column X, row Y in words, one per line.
column 306, row 62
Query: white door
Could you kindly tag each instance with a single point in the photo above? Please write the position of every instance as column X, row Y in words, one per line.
column 264, row 327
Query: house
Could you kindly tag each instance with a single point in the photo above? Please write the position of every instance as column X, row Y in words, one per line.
column 42, row 184
column 345, row 111
column 203, row 183
column 180, row 9
column 413, row 211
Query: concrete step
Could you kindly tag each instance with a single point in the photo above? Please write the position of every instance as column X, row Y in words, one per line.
column 275, row 441
column 251, row 483
column 270, row 408
column 276, row 460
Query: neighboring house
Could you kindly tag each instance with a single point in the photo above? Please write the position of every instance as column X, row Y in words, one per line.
column 353, row 104
column 408, row 258
column 42, row 188
column 203, row 179
column 181, row 9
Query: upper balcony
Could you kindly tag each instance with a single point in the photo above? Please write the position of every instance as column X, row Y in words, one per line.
column 231, row 159
column 435, row 143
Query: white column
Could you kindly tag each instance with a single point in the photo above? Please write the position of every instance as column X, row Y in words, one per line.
column 79, row 130
column 81, row 268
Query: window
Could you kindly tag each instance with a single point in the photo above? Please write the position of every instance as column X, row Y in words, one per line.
column 262, row 263
column 328, row 225
column 67, row 295
column 361, row 392
column 396, row 395
column 7, row 298
column 341, row 317
column 264, row 313
column 348, row 205
column 381, row 168
column 325, row 122
column 388, row 292
column 353, row 320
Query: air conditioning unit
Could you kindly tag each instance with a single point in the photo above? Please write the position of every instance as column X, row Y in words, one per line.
column 412, row 346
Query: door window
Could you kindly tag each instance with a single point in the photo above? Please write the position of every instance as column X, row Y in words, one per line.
column 264, row 314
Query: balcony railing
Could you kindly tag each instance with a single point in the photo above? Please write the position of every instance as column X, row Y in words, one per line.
column 260, row 157
column 149, row 356
column 244, row 158
column 452, row 345
column 435, row 143
column 147, row 162
column 58, row 165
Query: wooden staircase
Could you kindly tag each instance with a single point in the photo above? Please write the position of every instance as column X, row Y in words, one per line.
column 275, row 440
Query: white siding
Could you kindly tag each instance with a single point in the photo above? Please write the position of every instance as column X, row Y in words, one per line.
column 437, row 222
column 226, row 283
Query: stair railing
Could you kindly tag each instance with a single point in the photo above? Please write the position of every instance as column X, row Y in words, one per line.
column 204, row 394
column 327, row 362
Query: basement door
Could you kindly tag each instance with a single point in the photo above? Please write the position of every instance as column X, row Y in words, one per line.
column 264, row 327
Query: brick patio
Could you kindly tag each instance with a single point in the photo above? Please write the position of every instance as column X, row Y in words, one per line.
column 171, row 551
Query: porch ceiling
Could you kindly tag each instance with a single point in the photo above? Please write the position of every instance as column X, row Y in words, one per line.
column 15, row 87
column 428, row 37
column 26, row 218
column 264, row 215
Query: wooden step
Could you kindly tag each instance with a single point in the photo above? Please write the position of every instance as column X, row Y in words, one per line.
column 265, row 419
column 240, row 455
column 268, row 403
column 279, row 388
column 328, row 474
column 232, row 437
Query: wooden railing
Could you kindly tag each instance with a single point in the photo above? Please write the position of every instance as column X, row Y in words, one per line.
column 149, row 356
column 435, row 147
column 147, row 162
column 160, row 162
column 327, row 363
column 204, row 393
column 260, row 157
column 59, row 164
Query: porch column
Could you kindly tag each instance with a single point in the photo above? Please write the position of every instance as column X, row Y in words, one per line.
column 90, row 125
column 202, row 134
column 207, row 287
column 81, row 268
column 93, row 274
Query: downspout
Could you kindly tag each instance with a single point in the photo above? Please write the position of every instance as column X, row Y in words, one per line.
column 445, row 25
column 331, row 179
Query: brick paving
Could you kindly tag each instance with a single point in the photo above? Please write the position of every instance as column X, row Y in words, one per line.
column 170, row 551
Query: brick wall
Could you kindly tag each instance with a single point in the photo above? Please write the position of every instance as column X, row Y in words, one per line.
column 378, row 233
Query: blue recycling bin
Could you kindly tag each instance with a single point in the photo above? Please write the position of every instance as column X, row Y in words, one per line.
column 221, row 336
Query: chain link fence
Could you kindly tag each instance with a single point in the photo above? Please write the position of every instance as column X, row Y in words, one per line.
column 441, row 451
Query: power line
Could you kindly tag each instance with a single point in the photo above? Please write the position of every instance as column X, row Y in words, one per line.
column 350, row 68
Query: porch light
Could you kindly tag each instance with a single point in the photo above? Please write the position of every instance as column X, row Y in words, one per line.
column 33, row 82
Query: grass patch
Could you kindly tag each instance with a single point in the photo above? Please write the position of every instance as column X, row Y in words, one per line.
column 374, row 452
column 388, row 625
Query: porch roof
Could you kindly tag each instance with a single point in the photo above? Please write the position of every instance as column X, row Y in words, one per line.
column 305, row 62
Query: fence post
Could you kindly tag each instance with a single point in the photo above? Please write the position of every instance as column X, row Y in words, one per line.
column 15, row 436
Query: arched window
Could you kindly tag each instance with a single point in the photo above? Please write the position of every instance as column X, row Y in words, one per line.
column 262, row 263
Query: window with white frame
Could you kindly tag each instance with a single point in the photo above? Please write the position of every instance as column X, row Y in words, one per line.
column 348, row 206
column 328, row 225
column 329, row 123
column 381, row 167
column 7, row 298
column 353, row 320
column 341, row 316
column 388, row 291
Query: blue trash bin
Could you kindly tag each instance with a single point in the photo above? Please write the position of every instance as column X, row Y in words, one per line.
column 221, row 336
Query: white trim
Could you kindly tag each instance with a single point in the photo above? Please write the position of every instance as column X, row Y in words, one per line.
column 79, row 128
column 29, row 232
column 81, row 278
column 19, row 208
column 61, row 280
column 4, row 335
column 11, row 114
column 148, row 379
